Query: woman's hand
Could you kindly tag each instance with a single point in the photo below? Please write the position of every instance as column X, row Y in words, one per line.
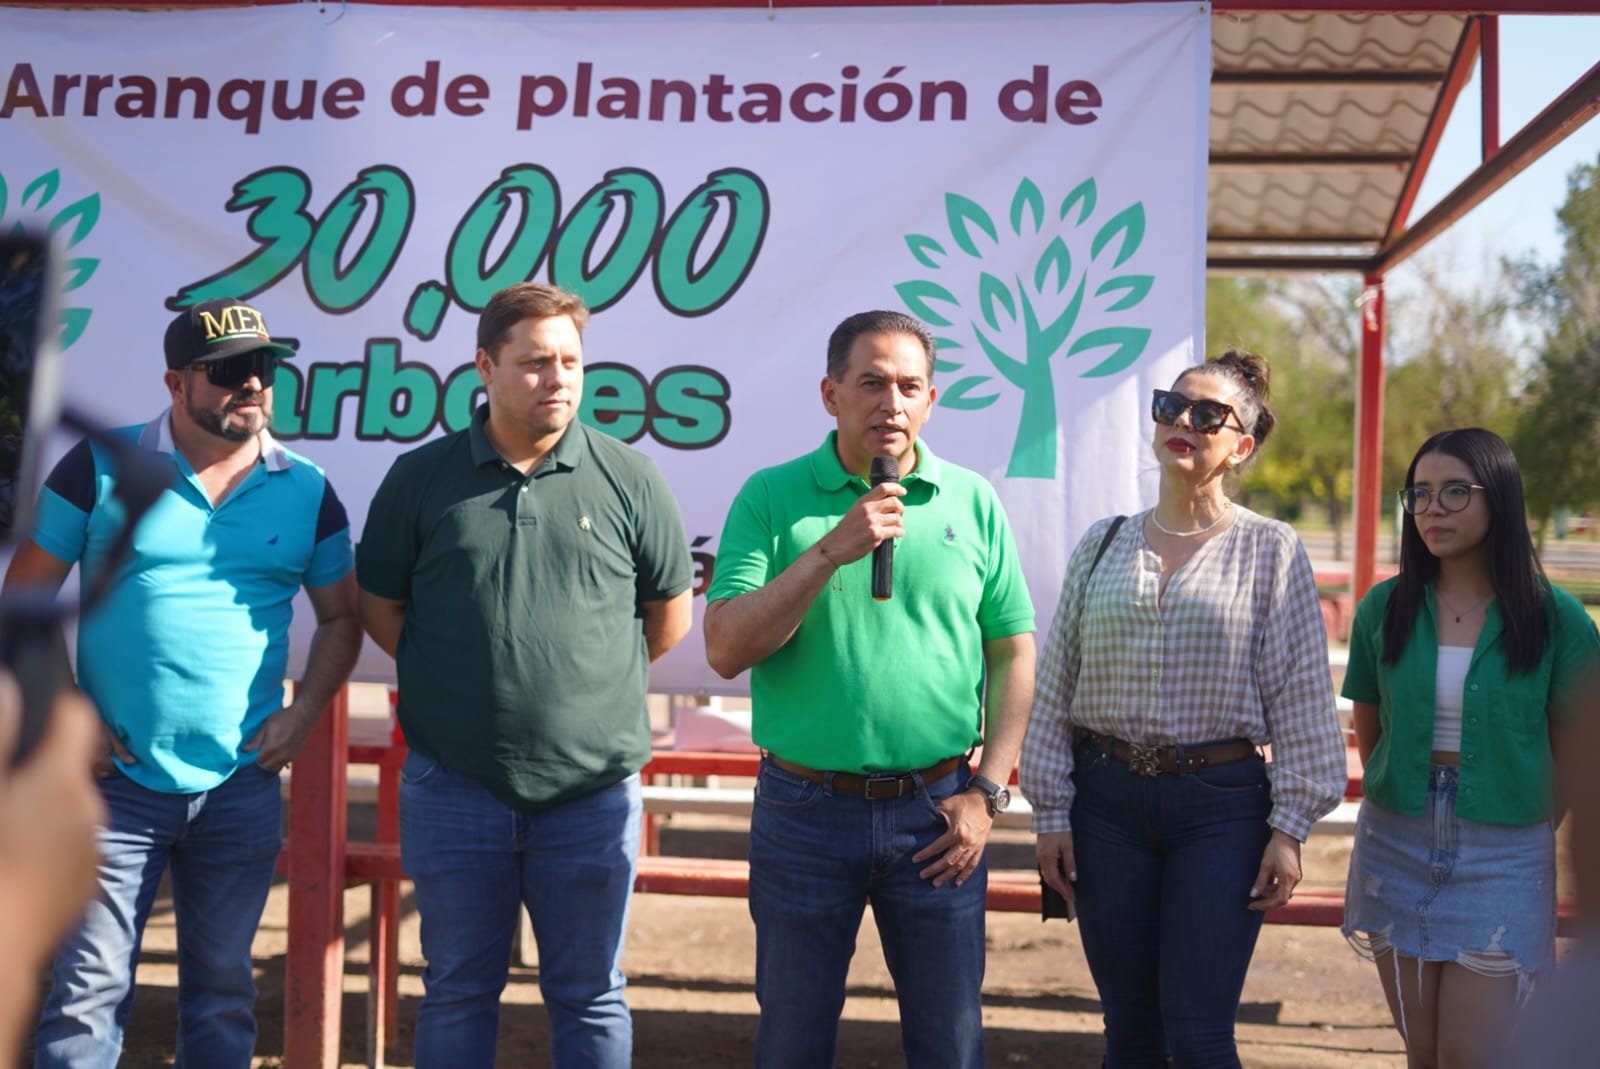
column 1279, row 874
column 1060, row 868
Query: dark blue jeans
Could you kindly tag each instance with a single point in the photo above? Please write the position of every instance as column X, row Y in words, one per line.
column 474, row 863
column 221, row 846
column 1165, row 865
column 817, row 857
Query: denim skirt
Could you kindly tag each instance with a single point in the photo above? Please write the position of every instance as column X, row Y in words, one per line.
column 1437, row 887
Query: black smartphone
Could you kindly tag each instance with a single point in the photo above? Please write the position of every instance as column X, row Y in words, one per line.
column 30, row 401
column 1053, row 904
column 31, row 644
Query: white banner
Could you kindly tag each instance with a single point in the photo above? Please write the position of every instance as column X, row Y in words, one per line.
column 722, row 186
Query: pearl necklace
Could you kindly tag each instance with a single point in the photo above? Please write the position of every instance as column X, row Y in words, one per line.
column 1226, row 509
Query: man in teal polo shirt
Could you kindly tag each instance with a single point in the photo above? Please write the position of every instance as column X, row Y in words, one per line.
column 185, row 661
column 866, row 710
column 524, row 573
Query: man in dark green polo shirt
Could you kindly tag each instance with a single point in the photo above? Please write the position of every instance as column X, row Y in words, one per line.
column 524, row 573
column 867, row 709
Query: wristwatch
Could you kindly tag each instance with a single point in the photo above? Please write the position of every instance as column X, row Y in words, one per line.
column 996, row 797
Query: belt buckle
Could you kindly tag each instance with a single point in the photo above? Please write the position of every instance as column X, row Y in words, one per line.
column 1145, row 760
column 891, row 780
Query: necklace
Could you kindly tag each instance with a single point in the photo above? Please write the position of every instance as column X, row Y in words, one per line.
column 1164, row 529
column 1469, row 609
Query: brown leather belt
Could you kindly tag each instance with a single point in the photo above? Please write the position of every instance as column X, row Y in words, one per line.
column 1170, row 760
column 874, row 786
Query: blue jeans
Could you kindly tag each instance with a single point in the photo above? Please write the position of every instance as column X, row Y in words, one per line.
column 222, row 845
column 1165, row 864
column 817, row 857
column 474, row 863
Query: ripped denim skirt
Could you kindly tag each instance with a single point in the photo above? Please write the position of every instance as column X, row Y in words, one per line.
column 1437, row 887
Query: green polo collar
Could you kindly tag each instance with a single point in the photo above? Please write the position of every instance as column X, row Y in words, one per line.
column 830, row 473
column 567, row 454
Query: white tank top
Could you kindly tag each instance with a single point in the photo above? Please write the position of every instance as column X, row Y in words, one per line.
column 1449, row 688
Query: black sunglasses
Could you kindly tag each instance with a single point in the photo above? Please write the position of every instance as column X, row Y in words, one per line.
column 1453, row 497
column 232, row 372
column 1205, row 417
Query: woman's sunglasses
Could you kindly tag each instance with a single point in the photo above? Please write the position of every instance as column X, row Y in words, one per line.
column 232, row 372
column 1453, row 497
column 1205, row 417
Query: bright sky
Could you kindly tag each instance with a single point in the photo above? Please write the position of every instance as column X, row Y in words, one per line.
column 1540, row 57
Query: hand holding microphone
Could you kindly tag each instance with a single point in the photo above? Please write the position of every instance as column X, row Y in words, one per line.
column 873, row 522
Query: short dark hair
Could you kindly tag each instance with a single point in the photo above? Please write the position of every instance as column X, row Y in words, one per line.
column 526, row 300
column 1514, row 572
column 876, row 322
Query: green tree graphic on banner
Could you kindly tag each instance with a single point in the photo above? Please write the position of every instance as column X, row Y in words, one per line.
column 76, row 220
column 1023, row 325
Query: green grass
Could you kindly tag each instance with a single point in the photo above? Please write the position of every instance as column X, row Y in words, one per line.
column 1586, row 588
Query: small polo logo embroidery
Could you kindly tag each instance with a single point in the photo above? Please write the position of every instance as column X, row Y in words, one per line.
column 584, row 523
column 949, row 533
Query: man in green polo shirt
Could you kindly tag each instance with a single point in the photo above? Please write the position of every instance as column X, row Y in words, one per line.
column 524, row 573
column 866, row 709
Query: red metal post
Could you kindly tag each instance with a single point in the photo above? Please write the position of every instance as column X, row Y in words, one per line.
column 1491, row 86
column 1369, row 439
column 383, row 1009
column 314, row 968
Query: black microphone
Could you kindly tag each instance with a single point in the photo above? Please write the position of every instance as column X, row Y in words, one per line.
column 884, row 470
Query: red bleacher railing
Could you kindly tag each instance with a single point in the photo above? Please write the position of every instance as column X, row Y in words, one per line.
column 320, row 862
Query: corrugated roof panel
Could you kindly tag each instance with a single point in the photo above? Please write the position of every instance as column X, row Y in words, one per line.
column 1364, row 119
column 1302, row 205
column 1287, row 41
column 1316, row 120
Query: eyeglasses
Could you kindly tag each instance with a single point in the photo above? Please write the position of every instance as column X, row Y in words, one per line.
column 1205, row 417
column 232, row 372
column 1453, row 497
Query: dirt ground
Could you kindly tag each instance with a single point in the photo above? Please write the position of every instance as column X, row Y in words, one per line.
column 1309, row 1002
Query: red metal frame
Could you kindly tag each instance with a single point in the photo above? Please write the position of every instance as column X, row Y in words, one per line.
column 1410, row 7
column 1284, row 265
column 1549, row 128
column 314, row 964
column 1456, row 77
column 1347, row 7
column 1369, row 439
column 1491, row 85
column 318, row 848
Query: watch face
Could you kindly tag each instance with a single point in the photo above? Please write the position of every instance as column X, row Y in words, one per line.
column 1001, row 800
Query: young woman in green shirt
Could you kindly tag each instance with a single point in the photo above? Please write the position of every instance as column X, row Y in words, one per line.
column 1459, row 669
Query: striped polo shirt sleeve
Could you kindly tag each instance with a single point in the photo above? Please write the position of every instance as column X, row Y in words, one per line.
column 332, row 556
column 61, row 522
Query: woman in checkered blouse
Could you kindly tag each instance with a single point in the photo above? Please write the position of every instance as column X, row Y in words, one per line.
column 1184, row 641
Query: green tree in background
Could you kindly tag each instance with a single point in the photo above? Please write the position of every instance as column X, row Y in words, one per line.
column 1559, row 430
column 1454, row 363
column 1450, row 363
column 1306, row 331
column 1519, row 354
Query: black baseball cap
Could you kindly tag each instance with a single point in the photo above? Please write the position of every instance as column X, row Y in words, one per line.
column 215, row 329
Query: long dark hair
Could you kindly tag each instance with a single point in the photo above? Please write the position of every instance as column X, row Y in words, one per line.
column 1514, row 571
